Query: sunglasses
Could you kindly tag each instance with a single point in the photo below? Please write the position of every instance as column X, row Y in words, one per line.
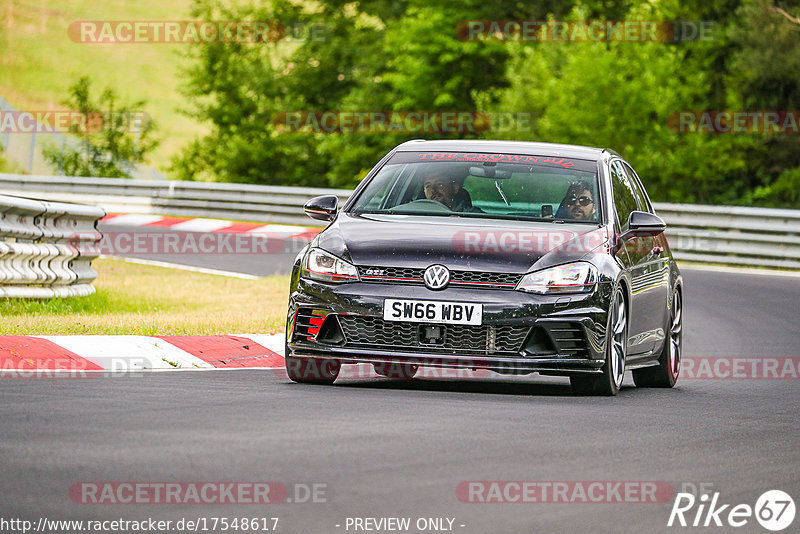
column 583, row 201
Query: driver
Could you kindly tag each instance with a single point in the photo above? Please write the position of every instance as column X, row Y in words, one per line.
column 441, row 188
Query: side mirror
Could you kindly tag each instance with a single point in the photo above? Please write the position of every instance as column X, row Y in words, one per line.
column 644, row 223
column 322, row 208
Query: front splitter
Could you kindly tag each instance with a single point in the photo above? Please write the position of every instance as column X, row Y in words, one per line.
column 554, row 365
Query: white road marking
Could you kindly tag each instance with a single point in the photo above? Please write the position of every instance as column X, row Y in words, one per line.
column 133, row 219
column 279, row 229
column 737, row 270
column 273, row 342
column 201, row 225
column 186, row 267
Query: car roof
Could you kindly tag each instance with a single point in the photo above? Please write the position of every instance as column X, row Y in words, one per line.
column 514, row 147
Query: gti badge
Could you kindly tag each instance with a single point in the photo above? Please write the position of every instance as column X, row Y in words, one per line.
column 436, row 277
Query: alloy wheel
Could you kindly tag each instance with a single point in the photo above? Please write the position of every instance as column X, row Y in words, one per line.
column 675, row 334
column 619, row 331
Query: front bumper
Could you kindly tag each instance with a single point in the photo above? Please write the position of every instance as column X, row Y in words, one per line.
column 523, row 332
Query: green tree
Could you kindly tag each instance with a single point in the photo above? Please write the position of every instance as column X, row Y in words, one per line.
column 238, row 89
column 625, row 96
column 113, row 136
column 382, row 55
column 377, row 55
column 765, row 70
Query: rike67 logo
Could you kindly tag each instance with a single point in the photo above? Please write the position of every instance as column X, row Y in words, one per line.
column 774, row 510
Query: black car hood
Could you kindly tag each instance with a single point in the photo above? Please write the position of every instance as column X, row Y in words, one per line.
column 460, row 243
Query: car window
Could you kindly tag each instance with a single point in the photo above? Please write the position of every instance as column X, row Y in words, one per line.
column 644, row 201
column 624, row 198
column 484, row 186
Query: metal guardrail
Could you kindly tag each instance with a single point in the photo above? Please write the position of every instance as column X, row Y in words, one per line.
column 46, row 248
column 758, row 237
column 186, row 199
column 713, row 234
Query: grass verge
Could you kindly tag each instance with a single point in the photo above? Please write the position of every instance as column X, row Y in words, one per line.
column 149, row 300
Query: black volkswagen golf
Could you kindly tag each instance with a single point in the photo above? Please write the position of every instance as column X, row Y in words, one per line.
column 509, row 256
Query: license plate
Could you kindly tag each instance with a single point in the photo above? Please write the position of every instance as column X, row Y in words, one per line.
column 432, row 311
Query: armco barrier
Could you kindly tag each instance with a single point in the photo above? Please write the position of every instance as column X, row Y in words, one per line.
column 43, row 248
column 759, row 237
column 716, row 234
column 187, row 199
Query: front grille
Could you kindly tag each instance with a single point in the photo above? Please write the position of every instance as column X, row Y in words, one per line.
column 486, row 278
column 569, row 339
column 390, row 274
column 375, row 332
column 408, row 275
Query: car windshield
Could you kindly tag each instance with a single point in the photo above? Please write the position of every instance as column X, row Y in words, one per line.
column 483, row 185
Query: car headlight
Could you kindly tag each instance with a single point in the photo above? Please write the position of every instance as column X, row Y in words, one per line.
column 578, row 277
column 325, row 267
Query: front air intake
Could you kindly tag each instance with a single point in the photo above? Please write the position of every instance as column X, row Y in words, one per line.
column 330, row 332
column 539, row 343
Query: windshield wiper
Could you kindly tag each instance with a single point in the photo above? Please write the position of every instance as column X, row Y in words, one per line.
column 503, row 195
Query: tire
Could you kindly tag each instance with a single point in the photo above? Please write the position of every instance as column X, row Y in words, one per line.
column 396, row 370
column 312, row 370
column 665, row 374
column 609, row 382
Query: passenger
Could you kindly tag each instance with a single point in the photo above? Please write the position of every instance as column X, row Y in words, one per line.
column 578, row 203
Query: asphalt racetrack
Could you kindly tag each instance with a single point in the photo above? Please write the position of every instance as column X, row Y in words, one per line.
column 248, row 259
column 381, row 448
